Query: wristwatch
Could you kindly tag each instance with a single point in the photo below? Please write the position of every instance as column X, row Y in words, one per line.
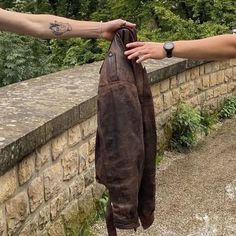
column 168, row 46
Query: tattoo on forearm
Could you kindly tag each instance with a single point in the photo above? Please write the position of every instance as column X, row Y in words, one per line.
column 59, row 28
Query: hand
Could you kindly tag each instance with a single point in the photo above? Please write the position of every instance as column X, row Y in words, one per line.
column 109, row 28
column 145, row 50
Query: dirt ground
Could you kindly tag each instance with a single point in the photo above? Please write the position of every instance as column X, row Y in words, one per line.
column 196, row 191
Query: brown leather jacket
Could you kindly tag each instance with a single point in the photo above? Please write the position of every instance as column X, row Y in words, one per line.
column 126, row 138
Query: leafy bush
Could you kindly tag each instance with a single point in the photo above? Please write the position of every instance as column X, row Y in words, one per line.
column 85, row 228
column 208, row 119
column 23, row 59
column 76, row 51
column 102, row 206
column 185, row 124
column 229, row 108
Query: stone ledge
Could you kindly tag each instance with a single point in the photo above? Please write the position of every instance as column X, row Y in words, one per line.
column 36, row 110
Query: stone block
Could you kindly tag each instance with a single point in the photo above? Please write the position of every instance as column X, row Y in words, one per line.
column 195, row 73
column 59, row 203
column 70, row 216
column 30, row 229
column 220, row 77
column 44, row 217
column 8, row 183
column 36, row 193
column 91, row 157
column 167, row 100
column 98, row 190
column 234, row 73
column 233, row 62
column 202, row 70
column 52, row 180
column 217, row 91
column 156, row 90
column 83, row 157
column 228, row 74
column 231, row 87
column 181, row 78
column 198, row 87
column 206, row 81
column 208, row 68
column 224, row 89
column 191, row 86
column 77, row 187
column 75, row 135
column 224, row 64
column 209, row 94
column 2, row 222
column 213, row 79
column 26, row 168
column 59, row 144
column 91, row 145
column 56, row 228
column 215, row 66
column 188, row 75
column 89, row 176
column 88, row 108
column 176, row 95
column 165, row 85
column 201, row 98
column 17, row 210
column 163, row 118
column 43, row 156
column 158, row 104
column 89, row 126
column 173, row 82
column 86, row 204
column 70, row 164
column 184, row 91
column 194, row 101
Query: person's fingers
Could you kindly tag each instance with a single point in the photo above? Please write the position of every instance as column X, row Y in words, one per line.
column 143, row 58
column 131, row 51
column 135, row 44
column 142, row 50
column 136, row 54
column 130, row 25
column 124, row 23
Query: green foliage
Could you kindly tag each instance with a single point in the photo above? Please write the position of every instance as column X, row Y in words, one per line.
column 85, row 229
column 23, row 59
column 75, row 51
column 229, row 108
column 185, row 124
column 159, row 158
column 156, row 21
column 208, row 119
column 101, row 207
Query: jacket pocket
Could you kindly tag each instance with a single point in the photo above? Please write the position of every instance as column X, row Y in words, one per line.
column 112, row 67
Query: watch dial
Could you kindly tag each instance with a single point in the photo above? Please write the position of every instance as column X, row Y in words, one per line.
column 168, row 45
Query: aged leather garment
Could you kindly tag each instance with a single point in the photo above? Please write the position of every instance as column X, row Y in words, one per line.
column 126, row 138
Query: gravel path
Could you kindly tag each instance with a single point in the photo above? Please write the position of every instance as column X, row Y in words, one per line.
column 196, row 191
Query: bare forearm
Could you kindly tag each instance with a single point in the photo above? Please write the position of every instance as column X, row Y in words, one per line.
column 217, row 47
column 47, row 26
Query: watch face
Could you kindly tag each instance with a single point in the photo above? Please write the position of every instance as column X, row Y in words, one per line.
column 169, row 45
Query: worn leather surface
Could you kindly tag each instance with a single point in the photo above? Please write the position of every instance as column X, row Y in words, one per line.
column 126, row 138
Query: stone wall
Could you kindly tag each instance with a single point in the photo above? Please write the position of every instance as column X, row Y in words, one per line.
column 47, row 138
column 206, row 85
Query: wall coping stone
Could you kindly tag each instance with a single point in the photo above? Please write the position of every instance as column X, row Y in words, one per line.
column 37, row 110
